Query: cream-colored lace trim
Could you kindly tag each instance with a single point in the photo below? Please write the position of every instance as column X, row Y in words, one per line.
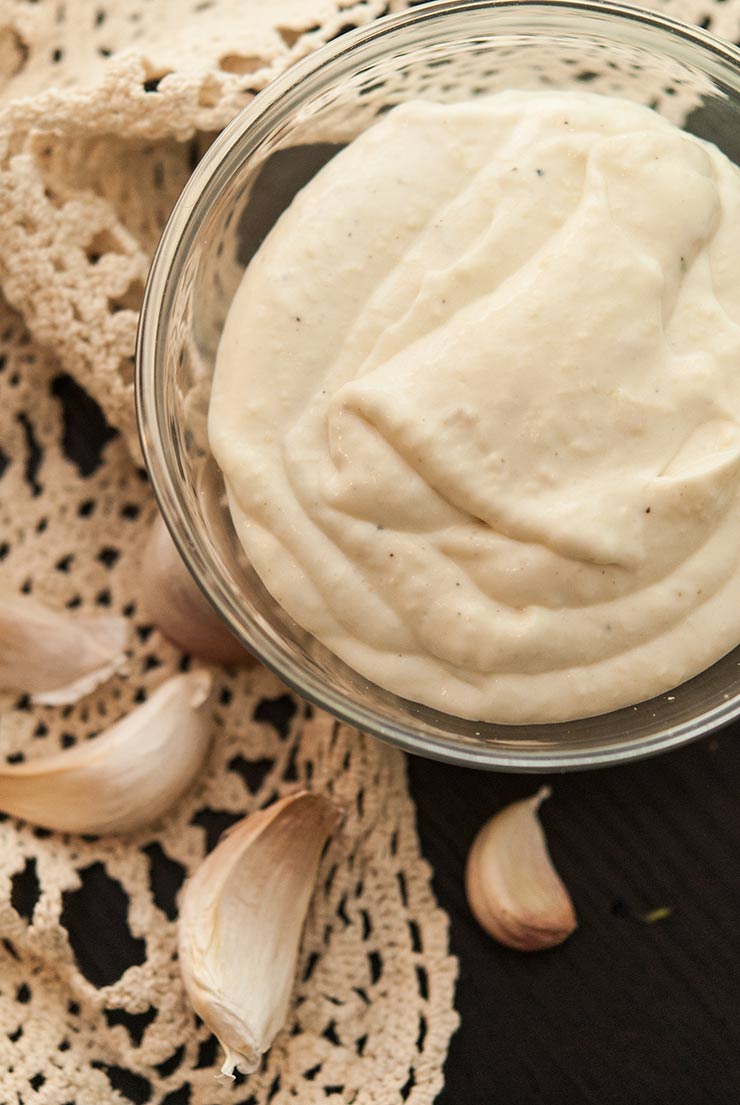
column 93, row 152
column 373, row 1009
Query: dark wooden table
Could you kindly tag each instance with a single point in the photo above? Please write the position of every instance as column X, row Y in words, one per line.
column 625, row 1011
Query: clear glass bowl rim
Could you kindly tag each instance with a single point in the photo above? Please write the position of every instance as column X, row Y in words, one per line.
column 227, row 153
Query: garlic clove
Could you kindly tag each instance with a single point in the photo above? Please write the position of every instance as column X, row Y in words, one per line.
column 126, row 777
column 56, row 657
column 179, row 609
column 513, row 889
column 241, row 919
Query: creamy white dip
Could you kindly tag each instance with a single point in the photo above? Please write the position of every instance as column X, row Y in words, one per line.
column 477, row 403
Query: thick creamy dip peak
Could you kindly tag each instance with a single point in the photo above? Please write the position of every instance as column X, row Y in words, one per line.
column 477, row 406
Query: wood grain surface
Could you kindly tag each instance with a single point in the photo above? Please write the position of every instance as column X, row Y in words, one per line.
column 626, row 1011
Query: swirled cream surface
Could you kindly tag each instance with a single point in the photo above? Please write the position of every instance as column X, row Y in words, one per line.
column 477, row 405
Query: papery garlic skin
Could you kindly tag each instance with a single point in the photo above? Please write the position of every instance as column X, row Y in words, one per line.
column 513, row 889
column 177, row 607
column 241, row 919
column 54, row 656
column 126, row 777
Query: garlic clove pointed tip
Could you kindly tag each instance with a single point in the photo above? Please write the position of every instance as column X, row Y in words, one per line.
column 241, row 918
column 126, row 777
column 54, row 656
column 513, row 889
column 201, row 682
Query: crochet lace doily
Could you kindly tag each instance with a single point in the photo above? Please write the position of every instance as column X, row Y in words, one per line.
column 91, row 1006
column 93, row 151
column 104, row 109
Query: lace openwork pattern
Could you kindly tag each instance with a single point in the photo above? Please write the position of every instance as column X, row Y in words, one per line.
column 104, row 109
column 91, row 1006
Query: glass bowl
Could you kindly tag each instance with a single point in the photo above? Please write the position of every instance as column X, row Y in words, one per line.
column 444, row 52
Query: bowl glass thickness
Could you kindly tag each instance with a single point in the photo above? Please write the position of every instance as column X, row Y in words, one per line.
column 443, row 52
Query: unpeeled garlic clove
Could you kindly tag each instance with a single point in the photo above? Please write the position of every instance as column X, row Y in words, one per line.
column 513, row 889
column 241, row 919
column 126, row 777
column 175, row 604
column 54, row 656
